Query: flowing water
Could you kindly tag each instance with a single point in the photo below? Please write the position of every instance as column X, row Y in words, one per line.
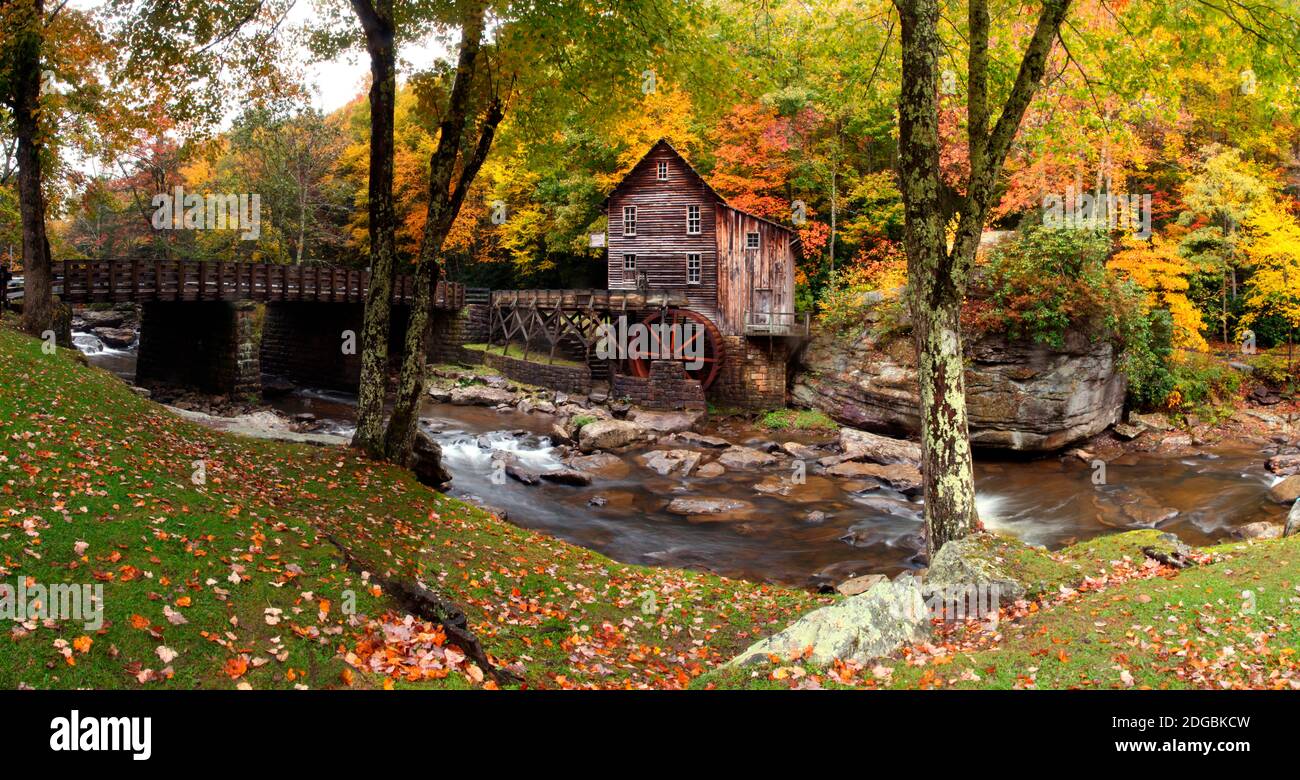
column 820, row 532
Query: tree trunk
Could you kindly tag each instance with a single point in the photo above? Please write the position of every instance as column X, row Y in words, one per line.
column 377, row 22
column 937, row 273
column 38, row 294
column 934, row 293
column 444, row 204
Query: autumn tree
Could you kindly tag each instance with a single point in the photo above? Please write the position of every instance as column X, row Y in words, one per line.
column 939, row 271
column 23, row 25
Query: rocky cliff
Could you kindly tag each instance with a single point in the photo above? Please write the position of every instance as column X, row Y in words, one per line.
column 1021, row 395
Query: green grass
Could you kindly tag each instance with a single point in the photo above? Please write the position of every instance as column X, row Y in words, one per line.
column 798, row 420
column 83, row 459
column 1233, row 623
column 516, row 350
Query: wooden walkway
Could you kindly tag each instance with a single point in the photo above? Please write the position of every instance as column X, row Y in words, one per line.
column 144, row 281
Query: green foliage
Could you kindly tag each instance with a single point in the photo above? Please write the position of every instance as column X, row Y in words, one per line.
column 798, row 419
column 1145, row 361
column 583, row 420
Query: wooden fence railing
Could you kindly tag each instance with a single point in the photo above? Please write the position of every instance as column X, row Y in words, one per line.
column 140, row 281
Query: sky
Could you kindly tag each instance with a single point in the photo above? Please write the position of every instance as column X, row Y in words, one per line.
column 334, row 82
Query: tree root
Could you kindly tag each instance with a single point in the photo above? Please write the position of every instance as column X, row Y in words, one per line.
column 426, row 604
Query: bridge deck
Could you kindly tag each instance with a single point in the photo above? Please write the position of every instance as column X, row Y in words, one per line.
column 583, row 300
column 143, row 281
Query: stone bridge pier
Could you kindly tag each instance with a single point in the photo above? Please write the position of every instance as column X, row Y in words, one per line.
column 209, row 345
column 228, row 347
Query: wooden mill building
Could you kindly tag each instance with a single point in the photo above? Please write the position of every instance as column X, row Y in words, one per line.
column 676, row 253
column 668, row 229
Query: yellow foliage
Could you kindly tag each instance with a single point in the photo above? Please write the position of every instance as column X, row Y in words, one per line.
column 1272, row 250
column 1156, row 266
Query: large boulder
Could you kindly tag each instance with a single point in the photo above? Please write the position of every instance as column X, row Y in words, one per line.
column 609, row 435
column 426, row 462
column 860, row 628
column 1292, row 521
column 973, row 562
column 1020, row 395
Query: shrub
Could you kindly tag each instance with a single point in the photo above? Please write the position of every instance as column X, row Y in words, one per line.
column 1050, row 281
column 1275, row 369
column 1200, row 383
column 581, row 420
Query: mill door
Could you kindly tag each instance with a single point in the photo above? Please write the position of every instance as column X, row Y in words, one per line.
column 762, row 311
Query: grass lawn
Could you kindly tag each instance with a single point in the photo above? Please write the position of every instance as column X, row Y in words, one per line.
column 233, row 583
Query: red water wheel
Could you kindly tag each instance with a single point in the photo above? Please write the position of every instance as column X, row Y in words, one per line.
column 689, row 337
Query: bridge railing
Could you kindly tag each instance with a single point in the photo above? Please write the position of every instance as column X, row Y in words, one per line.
column 135, row 280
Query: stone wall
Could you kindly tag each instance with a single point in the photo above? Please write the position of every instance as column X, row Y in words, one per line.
column 209, row 345
column 1020, row 395
column 753, row 375
column 668, row 388
column 569, row 379
column 469, row 325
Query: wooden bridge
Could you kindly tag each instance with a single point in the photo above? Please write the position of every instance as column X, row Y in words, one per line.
column 147, row 281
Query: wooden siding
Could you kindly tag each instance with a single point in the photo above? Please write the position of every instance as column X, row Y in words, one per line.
column 661, row 243
column 742, row 271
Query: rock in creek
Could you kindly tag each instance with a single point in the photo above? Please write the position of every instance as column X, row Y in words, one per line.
column 665, row 462
column 701, row 440
column 1286, row 491
column 738, row 457
column 121, row 338
column 1261, row 529
column 609, row 435
column 899, row 476
column 426, row 462
column 710, row 470
column 1284, row 465
column 665, row 422
column 1292, row 521
column 481, row 395
column 567, row 477
column 601, row 464
column 708, row 510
